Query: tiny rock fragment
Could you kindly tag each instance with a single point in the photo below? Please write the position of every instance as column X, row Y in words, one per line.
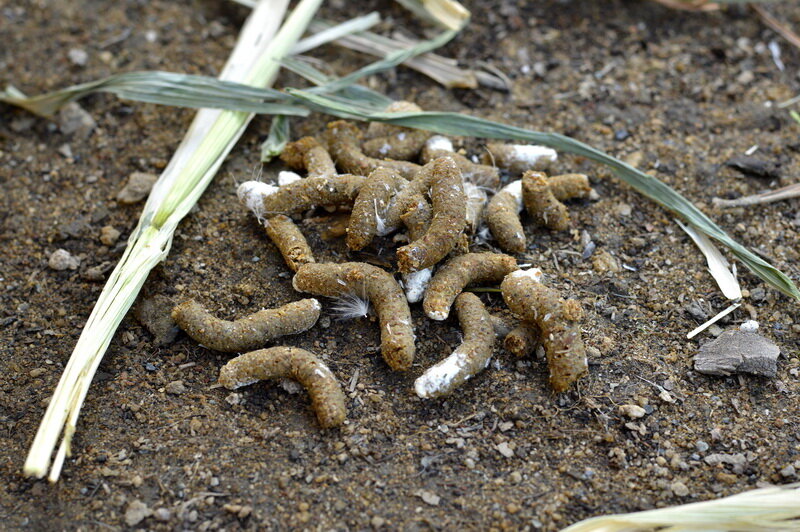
column 73, row 119
column 632, row 411
column 78, row 56
column 109, row 235
column 428, row 497
column 137, row 188
column 679, row 489
column 754, row 166
column 505, row 449
column 175, row 388
column 604, row 262
column 136, row 512
column 737, row 351
column 162, row 514
column 61, row 259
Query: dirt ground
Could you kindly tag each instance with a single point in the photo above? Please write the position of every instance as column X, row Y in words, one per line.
column 677, row 94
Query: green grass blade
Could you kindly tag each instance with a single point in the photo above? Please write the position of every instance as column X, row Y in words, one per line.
column 464, row 125
column 331, row 32
column 165, row 88
column 276, row 140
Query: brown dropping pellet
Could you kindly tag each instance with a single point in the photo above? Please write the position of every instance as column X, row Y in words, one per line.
column 502, row 218
column 268, row 200
column 569, row 186
column 380, row 288
column 250, row 332
column 479, row 174
column 443, row 179
column 327, row 398
column 458, row 273
column 541, row 204
column 309, row 155
column 523, row 339
column 289, row 240
column 344, row 144
column 417, row 217
column 395, row 142
column 368, row 218
column 469, row 358
column 518, row 158
column 558, row 320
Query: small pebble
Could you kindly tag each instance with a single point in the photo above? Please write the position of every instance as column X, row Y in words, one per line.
column 137, row 188
column 788, row 471
column 175, row 388
column 73, row 119
column 38, row 372
column 505, row 450
column 428, row 497
column 78, row 56
column 515, row 477
column 701, row 446
column 61, row 259
column 378, row 522
column 109, row 235
column 162, row 514
column 136, row 512
column 679, row 489
column 632, row 411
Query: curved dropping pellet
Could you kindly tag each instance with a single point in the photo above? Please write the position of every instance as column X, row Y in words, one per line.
column 469, row 358
column 541, row 204
column 569, row 186
column 395, row 142
column 368, row 217
column 417, row 217
column 502, row 218
column 523, row 339
column 558, row 319
column 289, row 240
column 458, row 273
column 380, row 288
column 250, row 332
column 479, row 174
column 519, row 158
column 309, row 155
column 327, row 398
column 268, row 200
column 449, row 205
column 344, row 144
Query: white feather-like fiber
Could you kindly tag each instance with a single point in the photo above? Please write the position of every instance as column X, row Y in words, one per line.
column 350, row 306
column 286, row 177
column 773, row 508
column 440, row 375
column 416, row 283
column 438, row 142
column 250, row 194
column 718, row 265
column 535, row 157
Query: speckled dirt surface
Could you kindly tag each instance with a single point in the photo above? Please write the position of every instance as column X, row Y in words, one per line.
column 677, row 94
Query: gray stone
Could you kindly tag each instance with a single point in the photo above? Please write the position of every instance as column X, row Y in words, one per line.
column 73, row 119
column 738, row 351
column 61, row 259
column 137, row 188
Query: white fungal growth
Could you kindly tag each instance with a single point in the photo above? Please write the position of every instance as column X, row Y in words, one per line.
column 350, row 306
column 251, row 193
column 515, row 189
column 286, row 177
column 534, row 273
column 416, row 283
column 438, row 142
column 439, row 376
column 536, row 157
column 749, row 326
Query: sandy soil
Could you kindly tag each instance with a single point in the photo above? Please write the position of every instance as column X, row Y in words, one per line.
column 677, row 94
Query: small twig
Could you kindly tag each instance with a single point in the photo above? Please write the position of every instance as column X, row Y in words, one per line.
column 783, row 193
column 781, row 29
